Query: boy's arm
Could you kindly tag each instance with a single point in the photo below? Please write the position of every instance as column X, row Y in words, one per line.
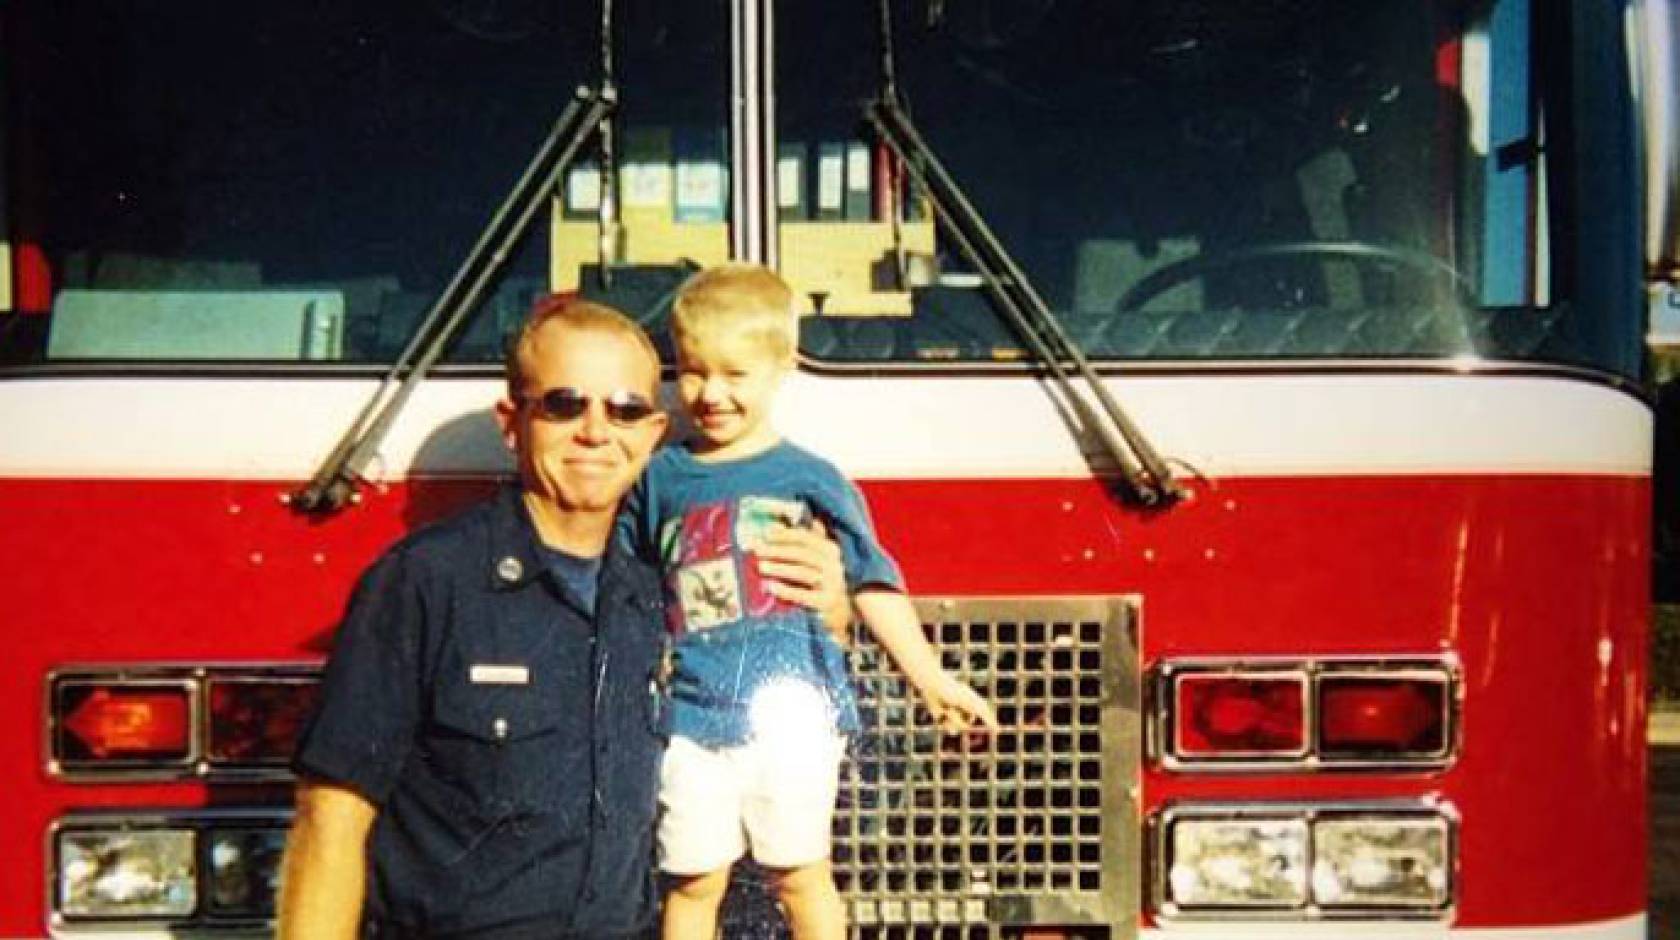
column 892, row 620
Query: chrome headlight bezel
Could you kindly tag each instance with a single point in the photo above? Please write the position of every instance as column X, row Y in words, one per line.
column 1425, row 823
column 197, row 886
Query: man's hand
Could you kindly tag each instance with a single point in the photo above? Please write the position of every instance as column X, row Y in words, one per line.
column 803, row 567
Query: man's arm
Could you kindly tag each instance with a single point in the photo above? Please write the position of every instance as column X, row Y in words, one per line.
column 325, row 871
column 892, row 620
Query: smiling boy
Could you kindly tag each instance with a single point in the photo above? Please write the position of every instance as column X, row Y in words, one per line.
column 761, row 700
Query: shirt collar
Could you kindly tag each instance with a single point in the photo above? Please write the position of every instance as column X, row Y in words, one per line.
column 514, row 559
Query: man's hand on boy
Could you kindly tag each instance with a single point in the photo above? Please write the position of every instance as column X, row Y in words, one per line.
column 803, row 567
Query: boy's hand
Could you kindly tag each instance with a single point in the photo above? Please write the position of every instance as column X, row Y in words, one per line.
column 956, row 706
column 803, row 567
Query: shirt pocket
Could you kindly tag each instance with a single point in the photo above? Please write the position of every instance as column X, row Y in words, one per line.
column 514, row 748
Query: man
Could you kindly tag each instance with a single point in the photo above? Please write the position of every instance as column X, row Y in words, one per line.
column 484, row 762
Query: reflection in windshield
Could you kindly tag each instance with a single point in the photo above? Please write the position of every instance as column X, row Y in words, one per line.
column 1181, row 179
column 1146, row 477
column 1196, row 180
column 270, row 181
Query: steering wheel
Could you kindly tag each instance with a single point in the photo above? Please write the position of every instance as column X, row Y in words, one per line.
column 1187, row 269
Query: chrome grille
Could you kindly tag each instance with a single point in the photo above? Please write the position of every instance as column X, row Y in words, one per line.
column 962, row 836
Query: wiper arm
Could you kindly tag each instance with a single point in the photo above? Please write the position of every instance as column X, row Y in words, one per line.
column 334, row 483
column 1147, row 479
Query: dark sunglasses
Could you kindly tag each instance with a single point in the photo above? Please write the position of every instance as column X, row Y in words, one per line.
column 568, row 404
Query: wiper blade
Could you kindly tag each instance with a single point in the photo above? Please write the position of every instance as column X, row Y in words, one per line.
column 1145, row 475
column 334, row 483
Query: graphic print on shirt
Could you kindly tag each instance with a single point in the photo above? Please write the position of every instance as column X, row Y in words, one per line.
column 710, row 594
column 755, row 518
column 708, row 554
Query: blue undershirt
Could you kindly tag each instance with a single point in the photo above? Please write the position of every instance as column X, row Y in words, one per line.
column 579, row 575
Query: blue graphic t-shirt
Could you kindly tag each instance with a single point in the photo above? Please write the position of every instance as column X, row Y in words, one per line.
column 736, row 644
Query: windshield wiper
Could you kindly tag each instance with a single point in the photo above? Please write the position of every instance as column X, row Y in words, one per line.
column 1145, row 475
column 334, row 483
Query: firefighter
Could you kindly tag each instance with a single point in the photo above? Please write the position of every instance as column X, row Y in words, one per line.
column 484, row 762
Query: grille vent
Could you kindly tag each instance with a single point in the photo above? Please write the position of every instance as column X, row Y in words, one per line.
column 939, row 836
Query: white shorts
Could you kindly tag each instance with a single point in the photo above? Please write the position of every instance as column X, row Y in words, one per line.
column 716, row 803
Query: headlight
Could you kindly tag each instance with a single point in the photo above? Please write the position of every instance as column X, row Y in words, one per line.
column 1380, row 862
column 139, row 874
column 1239, row 863
column 244, row 871
column 1305, row 861
column 169, row 870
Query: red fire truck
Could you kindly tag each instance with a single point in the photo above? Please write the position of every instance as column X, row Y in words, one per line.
column 1254, row 391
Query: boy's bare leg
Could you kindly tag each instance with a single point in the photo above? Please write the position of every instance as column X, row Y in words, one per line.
column 691, row 907
column 812, row 903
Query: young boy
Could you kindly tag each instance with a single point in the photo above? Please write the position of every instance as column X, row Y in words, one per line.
column 760, row 698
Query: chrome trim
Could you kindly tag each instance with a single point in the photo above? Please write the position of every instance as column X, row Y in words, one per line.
column 1654, row 40
column 738, row 189
column 198, row 821
column 1161, row 711
column 197, row 677
column 752, row 178
column 766, row 146
column 1109, row 368
column 1167, row 913
column 1168, row 368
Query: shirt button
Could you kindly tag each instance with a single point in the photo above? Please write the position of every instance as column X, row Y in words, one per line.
column 509, row 569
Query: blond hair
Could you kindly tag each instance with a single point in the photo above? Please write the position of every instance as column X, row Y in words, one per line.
column 575, row 314
column 736, row 298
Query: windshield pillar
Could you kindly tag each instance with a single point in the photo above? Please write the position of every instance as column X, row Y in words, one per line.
column 752, row 129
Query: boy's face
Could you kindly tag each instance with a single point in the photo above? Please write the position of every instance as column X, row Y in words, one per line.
column 586, row 463
column 727, row 384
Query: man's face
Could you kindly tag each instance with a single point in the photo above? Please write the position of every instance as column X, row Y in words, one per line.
column 588, row 462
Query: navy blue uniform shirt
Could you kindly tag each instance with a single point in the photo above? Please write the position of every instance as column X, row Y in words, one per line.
column 508, row 736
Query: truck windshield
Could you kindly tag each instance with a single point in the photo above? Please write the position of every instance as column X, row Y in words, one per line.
column 1191, row 181
column 1182, row 181
column 198, row 182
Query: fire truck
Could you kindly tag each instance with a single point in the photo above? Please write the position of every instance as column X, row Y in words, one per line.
column 1256, row 394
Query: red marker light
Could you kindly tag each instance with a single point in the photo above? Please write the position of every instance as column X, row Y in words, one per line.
column 1223, row 715
column 257, row 721
column 1383, row 715
column 112, row 721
